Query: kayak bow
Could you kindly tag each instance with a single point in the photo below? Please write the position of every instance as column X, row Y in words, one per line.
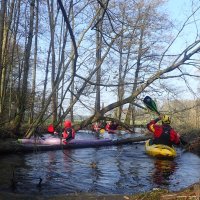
column 159, row 150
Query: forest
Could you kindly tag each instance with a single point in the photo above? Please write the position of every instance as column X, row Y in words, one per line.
column 93, row 60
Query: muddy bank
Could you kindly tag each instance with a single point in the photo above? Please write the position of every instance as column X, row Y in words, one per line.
column 193, row 139
column 192, row 192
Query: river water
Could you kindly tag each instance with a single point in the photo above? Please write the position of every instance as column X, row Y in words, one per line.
column 124, row 169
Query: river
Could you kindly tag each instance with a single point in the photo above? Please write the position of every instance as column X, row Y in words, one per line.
column 124, row 169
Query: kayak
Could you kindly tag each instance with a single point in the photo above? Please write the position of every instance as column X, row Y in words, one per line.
column 110, row 131
column 60, row 141
column 28, row 145
column 159, row 150
column 53, row 143
column 25, row 146
column 113, row 131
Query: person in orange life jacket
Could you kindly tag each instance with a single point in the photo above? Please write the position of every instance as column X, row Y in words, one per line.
column 68, row 132
column 163, row 134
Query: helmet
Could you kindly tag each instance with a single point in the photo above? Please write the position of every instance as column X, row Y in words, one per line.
column 50, row 128
column 166, row 119
column 67, row 124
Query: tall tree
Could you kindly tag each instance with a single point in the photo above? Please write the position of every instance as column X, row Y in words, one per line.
column 2, row 28
column 52, row 24
column 72, row 64
column 26, row 67
column 12, row 67
column 32, row 100
column 120, row 89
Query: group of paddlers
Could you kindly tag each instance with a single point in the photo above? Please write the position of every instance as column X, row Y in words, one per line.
column 68, row 133
column 163, row 134
column 110, row 126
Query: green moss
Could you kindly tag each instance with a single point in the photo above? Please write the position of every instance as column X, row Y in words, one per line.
column 152, row 195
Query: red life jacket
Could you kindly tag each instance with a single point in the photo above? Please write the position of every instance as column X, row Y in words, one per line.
column 68, row 133
column 163, row 134
column 107, row 127
column 96, row 127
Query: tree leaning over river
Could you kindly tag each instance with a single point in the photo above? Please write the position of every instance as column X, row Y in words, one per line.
column 85, row 52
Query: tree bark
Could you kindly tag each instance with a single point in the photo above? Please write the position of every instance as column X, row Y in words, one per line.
column 98, row 62
column 26, row 67
column 32, row 100
column 2, row 26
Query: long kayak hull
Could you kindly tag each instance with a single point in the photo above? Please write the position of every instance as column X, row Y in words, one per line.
column 58, row 144
column 60, row 141
column 159, row 150
column 30, row 145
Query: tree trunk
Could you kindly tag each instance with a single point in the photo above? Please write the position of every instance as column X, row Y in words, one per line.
column 121, row 79
column 2, row 26
column 131, row 112
column 53, row 61
column 32, row 100
column 72, row 67
column 26, row 66
column 11, row 111
column 98, row 63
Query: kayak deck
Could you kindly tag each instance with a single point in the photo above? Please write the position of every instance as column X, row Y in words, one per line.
column 13, row 146
column 70, row 145
column 76, row 143
column 159, row 150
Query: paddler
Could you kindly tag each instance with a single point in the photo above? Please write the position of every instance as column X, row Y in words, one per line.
column 111, row 126
column 68, row 132
column 163, row 134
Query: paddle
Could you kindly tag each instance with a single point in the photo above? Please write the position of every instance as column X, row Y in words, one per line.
column 151, row 105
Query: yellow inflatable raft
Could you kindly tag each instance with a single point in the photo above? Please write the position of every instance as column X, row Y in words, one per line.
column 159, row 150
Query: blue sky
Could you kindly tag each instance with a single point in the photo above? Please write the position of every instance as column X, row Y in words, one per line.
column 178, row 11
column 178, row 8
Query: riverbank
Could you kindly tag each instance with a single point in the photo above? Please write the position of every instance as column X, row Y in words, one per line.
column 192, row 193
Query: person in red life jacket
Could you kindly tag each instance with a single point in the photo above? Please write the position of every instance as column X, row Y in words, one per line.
column 163, row 134
column 111, row 126
column 108, row 126
column 68, row 132
column 97, row 126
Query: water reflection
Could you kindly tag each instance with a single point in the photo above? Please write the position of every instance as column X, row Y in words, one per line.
column 124, row 169
column 163, row 170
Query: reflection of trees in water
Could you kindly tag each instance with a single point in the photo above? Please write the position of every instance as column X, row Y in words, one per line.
column 163, row 170
column 120, row 169
column 79, row 165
